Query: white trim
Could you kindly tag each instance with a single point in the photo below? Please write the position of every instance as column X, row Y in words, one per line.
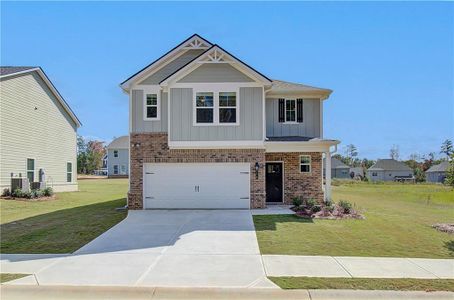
column 150, row 90
column 225, row 57
column 264, row 114
column 161, row 62
column 34, row 167
column 217, row 144
column 215, row 89
column 214, row 85
column 285, row 112
column 52, row 89
column 118, row 169
column 283, row 178
column 72, row 172
column 114, row 153
column 321, row 119
column 305, row 164
column 309, row 146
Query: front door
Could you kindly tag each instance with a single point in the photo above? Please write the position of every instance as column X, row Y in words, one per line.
column 274, row 182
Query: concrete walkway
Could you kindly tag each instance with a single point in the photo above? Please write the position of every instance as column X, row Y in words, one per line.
column 358, row 267
column 112, row 293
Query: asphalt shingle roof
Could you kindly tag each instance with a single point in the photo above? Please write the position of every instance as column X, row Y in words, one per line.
column 441, row 167
column 121, row 142
column 390, row 165
column 280, row 85
column 12, row 69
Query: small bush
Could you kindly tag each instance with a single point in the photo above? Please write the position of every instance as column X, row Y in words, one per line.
column 36, row 193
column 297, row 201
column 346, row 206
column 6, row 192
column 316, row 208
column 27, row 195
column 47, row 192
column 17, row 193
column 310, row 203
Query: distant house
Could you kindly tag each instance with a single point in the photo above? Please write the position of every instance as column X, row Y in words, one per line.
column 338, row 169
column 118, row 157
column 389, row 170
column 437, row 173
column 38, row 131
column 357, row 172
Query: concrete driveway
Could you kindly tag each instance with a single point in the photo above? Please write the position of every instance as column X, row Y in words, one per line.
column 184, row 248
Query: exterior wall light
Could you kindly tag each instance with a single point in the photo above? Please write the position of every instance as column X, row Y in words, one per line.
column 257, row 167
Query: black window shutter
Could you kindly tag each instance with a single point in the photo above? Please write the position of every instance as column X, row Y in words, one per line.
column 281, row 111
column 299, row 110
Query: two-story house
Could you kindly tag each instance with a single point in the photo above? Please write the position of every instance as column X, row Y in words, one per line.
column 209, row 131
column 118, row 157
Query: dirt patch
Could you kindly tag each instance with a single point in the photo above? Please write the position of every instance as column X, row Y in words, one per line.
column 444, row 227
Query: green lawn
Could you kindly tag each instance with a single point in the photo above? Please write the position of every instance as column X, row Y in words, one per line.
column 4, row 277
column 396, row 284
column 65, row 224
column 398, row 223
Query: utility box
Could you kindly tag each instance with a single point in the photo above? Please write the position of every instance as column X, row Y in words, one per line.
column 20, row 183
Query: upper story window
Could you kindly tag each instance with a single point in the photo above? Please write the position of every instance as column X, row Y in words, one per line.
column 291, row 111
column 31, row 169
column 205, row 107
column 151, row 107
column 216, row 108
column 305, row 163
column 227, row 107
column 115, row 153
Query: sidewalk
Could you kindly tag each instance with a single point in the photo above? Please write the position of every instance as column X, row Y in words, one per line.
column 358, row 267
column 136, row 293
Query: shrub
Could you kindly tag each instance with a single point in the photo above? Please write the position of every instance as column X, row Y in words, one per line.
column 17, row 193
column 47, row 192
column 6, row 192
column 27, row 195
column 316, row 208
column 36, row 193
column 297, row 201
column 346, row 206
column 310, row 203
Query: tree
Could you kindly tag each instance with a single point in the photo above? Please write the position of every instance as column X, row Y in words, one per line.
column 81, row 155
column 95, row 153
column 351, row 152
column 447, row 148
column 450, row 172
column 394, row 152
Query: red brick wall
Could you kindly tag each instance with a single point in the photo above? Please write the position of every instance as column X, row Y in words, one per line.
column 153, row 148
column 307, row 185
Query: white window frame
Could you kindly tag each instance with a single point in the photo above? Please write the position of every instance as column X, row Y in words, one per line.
column 374, row 174
column 72, row 173
column 285, row 112
column 118, row 169
column 115, row 153
column 123, row 169
column 157, row 92
column 305, row 164
column 27, row 170
column 216, row 90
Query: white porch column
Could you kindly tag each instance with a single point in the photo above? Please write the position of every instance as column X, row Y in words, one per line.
column 327, row 175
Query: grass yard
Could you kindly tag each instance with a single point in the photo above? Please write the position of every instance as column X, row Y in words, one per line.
column 398, row 224
column 65, row 224
column 396, row 284
column 5, row 277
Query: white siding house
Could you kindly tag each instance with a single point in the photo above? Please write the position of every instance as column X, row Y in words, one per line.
column 37, row 130
column 118, row 157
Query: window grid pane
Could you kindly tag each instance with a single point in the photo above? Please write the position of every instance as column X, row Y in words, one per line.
column 227, row 115
column 204, row 115
column 152, row 99
column 290, row 110
column 204, row 99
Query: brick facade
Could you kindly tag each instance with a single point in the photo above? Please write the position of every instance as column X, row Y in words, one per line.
column 153, row 148
column 307, row 185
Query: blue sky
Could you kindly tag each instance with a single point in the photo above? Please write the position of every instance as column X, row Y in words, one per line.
column 391, row 65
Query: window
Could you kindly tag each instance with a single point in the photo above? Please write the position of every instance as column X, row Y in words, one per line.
column 31, row 169
column 151, row 107
column 374, row 173
column 204, row 107
column 305, row 163
column 115, row 153
column 115, row 167
column 227, row 107
column 123, row 169
column 69, row 172
column 290, row 110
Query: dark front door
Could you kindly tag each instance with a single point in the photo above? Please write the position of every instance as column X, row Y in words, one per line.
column 274, row 182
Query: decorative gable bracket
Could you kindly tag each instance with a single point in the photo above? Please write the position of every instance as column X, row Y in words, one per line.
column 196, row 43
column 216, row 56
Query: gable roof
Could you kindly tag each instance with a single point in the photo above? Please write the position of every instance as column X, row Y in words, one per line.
column 336, row 164
column 441, row 167
column 8, row 71
column 121, row 142
column 167, row 55
column 285, row 88
column 389, row 165
column 217, row 50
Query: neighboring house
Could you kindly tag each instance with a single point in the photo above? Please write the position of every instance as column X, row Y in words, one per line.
column 209, row 131
column 118, row 157
column 389, row 170
column 437, row 173
column 338, row 169
column 358, row 172
column 37, row 130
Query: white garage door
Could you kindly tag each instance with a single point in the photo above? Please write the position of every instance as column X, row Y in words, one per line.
column 192, row 186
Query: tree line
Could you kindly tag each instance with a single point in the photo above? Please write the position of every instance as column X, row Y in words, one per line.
column 90, row 154
column 418, row 163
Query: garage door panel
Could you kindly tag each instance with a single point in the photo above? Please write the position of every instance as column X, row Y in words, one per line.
column 204, row 185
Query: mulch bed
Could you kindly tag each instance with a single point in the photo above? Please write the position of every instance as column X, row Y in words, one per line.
column 336, row 214
column 444, row 227
column 53, row 197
